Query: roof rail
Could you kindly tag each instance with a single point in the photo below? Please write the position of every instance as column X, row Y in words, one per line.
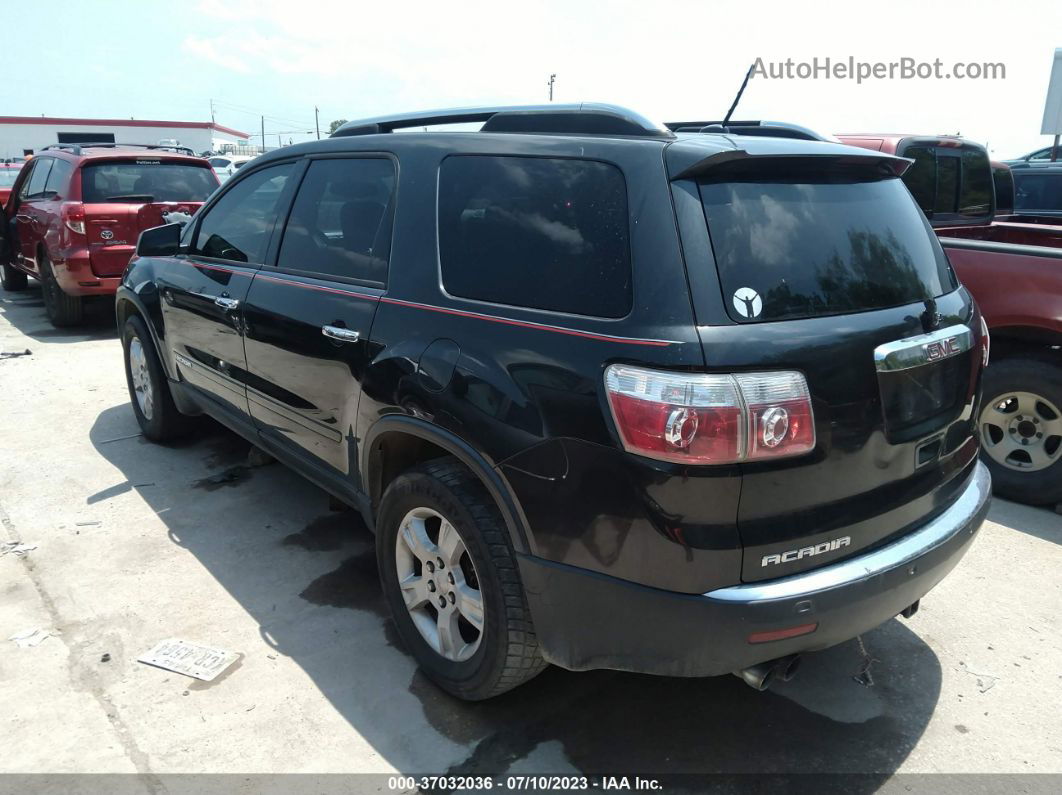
column 584, row 118
column 774, row 129
column 76, row 148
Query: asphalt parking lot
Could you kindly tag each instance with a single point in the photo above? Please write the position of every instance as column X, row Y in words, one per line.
column 136, row 543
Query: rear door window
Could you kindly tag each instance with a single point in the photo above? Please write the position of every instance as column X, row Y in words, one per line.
column 146, row 181
column 339, row 224
column 59, row 178
column 238, row 226
column 813, row 246
column 541, row 233
column 39, row 178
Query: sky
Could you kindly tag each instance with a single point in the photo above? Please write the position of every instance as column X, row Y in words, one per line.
column 674, row 60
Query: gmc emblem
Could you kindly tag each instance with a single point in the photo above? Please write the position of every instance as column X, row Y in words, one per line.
column 941, row 349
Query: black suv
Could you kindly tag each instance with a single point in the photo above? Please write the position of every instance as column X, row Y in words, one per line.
column 609, row 395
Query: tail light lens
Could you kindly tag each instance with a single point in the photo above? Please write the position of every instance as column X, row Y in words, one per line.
column 73, row 214
column 986, row 342
column 710, row 418
column 780, row 418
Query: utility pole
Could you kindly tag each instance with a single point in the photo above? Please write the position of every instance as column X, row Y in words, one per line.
column 263, row 135
column 317, row 121
column 211, row 111
column 552, row 77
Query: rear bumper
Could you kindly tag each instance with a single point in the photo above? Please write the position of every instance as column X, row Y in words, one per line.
column 586, row 620
column 76, row 277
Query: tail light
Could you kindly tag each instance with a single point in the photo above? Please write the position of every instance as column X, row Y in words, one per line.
column 986, row 342
column 73, row 214
column 710, row 418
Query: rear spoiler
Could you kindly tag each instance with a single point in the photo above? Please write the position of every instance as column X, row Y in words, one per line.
column 888, row 165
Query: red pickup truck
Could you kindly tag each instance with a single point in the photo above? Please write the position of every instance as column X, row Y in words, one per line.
column 1013, row 267
column 76, row 211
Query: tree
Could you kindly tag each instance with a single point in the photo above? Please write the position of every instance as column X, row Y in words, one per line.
column 336, row 125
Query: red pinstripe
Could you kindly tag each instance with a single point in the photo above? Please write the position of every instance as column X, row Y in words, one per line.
column 447, row 311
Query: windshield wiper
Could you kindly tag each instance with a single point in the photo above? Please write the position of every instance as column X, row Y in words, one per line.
column 146, row 198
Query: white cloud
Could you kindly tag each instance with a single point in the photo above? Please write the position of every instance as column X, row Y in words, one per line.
column 214, row 50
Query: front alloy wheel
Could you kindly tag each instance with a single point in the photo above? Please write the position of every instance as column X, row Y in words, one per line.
column 140, row 378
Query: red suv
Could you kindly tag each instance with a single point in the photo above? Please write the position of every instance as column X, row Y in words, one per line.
column 8, row 175
column 76, row 211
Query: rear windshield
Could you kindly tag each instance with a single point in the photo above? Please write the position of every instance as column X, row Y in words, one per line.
column 806, row 248
column 950, row 183
column 143, row 181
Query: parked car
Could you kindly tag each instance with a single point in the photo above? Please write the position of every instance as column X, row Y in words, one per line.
column 1036, row 158
column 226, row 165
column 1013, row 267
column 76, row 212
column 8, row 175
column 587, row 427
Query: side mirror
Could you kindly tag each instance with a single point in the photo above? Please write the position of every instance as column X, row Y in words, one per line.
column 160, row 241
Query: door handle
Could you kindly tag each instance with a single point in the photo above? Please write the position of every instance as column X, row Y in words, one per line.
column 226, row 303
column 23, row 217
column 341, row 334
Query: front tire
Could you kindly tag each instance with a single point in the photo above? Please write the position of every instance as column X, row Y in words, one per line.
column 450, row 577
column 149, row 391
column 13, row 280
column 1021, row 429
column 63, row 310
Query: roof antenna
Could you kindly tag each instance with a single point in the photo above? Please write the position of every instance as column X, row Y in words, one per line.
column 737, row 99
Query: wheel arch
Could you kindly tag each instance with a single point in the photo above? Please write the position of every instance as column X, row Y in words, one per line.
column 127, row 303
column 395, row 443
column 1016, row 340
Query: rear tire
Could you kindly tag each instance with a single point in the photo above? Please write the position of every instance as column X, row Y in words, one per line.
column 63, row 310
column 470, row 662
column 149, row 390
column 13, row 280
column 1021, row 429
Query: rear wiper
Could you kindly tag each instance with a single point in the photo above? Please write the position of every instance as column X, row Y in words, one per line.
column 146, row 198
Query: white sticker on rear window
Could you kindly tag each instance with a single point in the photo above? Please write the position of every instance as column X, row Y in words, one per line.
column 747, row 302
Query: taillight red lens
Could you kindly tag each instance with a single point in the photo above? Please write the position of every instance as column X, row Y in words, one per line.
column 73, row 214
column 710, row 418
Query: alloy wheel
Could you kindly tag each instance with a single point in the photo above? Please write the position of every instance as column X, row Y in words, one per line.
column 1022, row 431
column 439, row 583
column 141, row 378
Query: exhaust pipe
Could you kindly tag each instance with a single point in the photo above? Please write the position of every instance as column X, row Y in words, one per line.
column 763, row 675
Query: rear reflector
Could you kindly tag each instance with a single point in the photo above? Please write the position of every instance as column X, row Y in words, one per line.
column 710, row 418
column 782, row 634
column 986, row 342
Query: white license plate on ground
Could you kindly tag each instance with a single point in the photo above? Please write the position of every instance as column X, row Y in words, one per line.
column 190, row 659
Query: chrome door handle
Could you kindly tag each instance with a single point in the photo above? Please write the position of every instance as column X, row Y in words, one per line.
column 341, row 334
column 226, row 303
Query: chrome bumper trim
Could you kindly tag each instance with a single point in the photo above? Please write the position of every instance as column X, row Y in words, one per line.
column 954, row 520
